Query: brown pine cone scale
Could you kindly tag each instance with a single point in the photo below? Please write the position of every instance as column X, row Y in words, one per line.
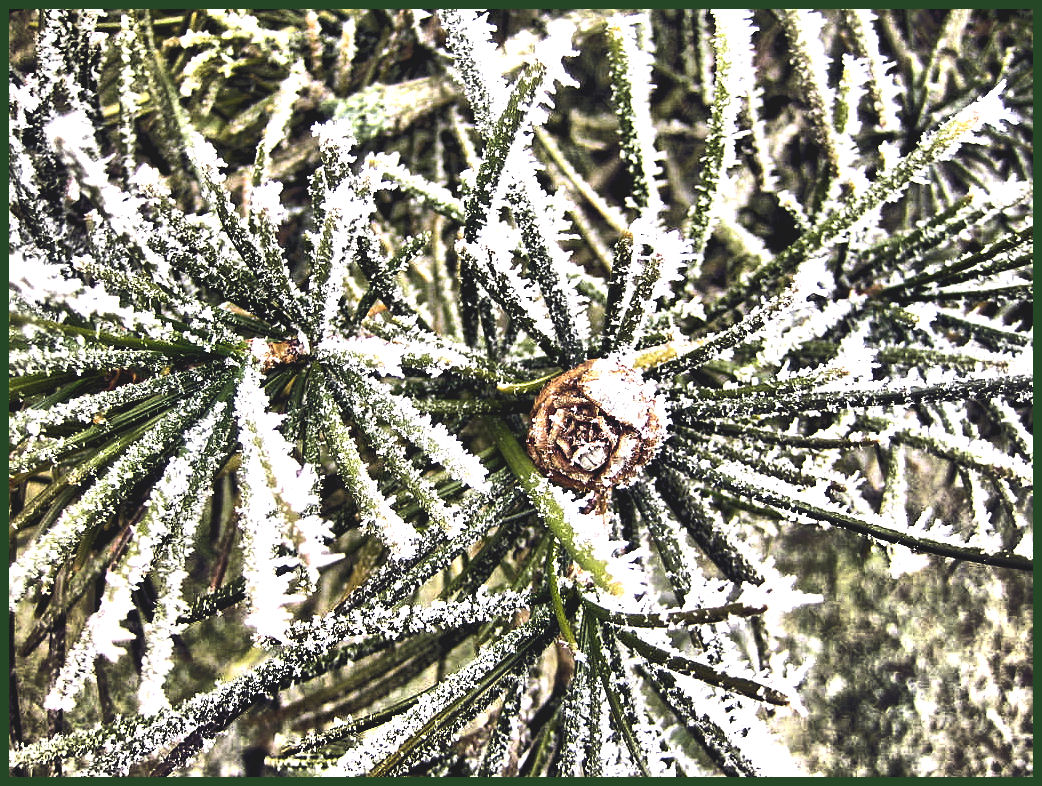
column 594, row 427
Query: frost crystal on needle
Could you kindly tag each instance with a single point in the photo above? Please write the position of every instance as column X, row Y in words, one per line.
column 278, row 518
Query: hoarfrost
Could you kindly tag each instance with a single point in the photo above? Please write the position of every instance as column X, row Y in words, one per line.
column 35, row 566
column 476, row 64
column 359, row 760
column 590, row 536
column 276, row 512
column 175, row 498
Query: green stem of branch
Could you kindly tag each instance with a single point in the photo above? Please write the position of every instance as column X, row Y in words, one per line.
column 538, row 490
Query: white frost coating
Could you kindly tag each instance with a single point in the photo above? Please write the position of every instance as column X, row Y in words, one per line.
column 391, row 167
column 1000, row 195
column 856, row 360
column 204, row 157
column 803, row 320
column 433, row 438
column 963, row 126
column 672, row 248
column 615, row 393
column 276, row 511
column 72, row 135
column 336, row 140
column 979, row 453
column 855, row 77
column 494, row 248
column 282, row 109
column 816, row 495
column 733, row 44
column 30, row 422
column 883, row 87
column 1009, row 419
column 75, row 355
column 433, row 353
column 902, row 561
column 170, row 500
column 310, row 641
column 733, row 82
column 348, row 205
column 468, row 37
column 476, row 64
column 779, row 594
column 852, row 88
column 591, row 535
column 518, row 178
column 633, row 31
column 551, row 223
column 646, row 730
column 169, row 574
column 808, row 27
column 193, row 74
column 277, row 43
column 978, row 319
column 412, row 424
column 240, row 30
column 759, row 135
column 551, row 52
column 374, row 508
column 35, row 564
column 743, row 729
column 359, row 760
column 392, row 624
column 984, row 530
column 349, row 214
column 131, row 101
column 158, row 659
column 265, row 200
column 40, row 283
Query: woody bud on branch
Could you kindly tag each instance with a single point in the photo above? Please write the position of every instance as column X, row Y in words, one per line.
column 595, row 426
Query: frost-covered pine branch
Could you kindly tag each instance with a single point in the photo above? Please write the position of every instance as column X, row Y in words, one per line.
column 468, row 392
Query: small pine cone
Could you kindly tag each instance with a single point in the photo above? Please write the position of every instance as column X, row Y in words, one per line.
column 272, row 354
column 595, row 426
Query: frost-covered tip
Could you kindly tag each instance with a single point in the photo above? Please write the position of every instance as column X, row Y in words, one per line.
column 280, row 115
column 468, row 36
column 276, row 511
column 631, row 60
column 157, row 662
column 988, row 110
column 265, row 200
column 673, row 251
column 205, row 158
column 734, row 82
column 883, row 88
column 890, row 185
